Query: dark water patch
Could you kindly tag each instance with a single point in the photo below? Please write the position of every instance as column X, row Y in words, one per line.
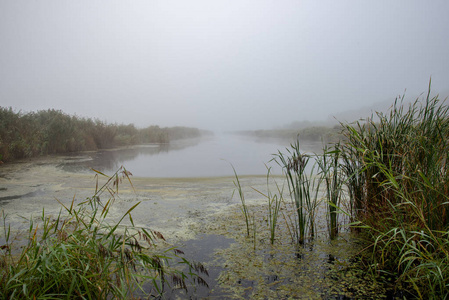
column 202, row 249
column 30, row 194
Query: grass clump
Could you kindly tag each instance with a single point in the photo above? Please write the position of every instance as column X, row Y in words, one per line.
column 398, row 179
column 244, row 207
column 333, row 178
column 79, row 254
column 390, row 176
column 303, row 188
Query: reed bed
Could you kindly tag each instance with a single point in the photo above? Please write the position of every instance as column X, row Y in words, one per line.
column 52, row 131
column 301, row 188
column 331, row 174
column 392, row 174
column 79, row 254
column 399, row 191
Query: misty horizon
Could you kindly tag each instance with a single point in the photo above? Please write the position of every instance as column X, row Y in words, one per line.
column 219, row 65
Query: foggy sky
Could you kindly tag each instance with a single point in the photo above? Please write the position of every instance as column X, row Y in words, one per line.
column 218, row 64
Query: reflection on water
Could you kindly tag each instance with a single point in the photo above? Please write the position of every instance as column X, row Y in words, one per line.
column 188, row 158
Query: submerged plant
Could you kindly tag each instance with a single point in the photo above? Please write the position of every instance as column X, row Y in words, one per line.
column 79, row 254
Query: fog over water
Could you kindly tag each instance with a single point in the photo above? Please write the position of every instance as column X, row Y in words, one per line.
column 211, row 157
column 220, row 65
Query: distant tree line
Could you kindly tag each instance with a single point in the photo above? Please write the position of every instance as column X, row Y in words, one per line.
column 53, row 131
column 314, row 133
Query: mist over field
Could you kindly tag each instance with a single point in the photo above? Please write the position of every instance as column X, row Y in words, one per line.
column 219, row 65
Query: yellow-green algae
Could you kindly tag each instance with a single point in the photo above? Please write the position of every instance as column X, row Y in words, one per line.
column 256, row 269
column 183, row 208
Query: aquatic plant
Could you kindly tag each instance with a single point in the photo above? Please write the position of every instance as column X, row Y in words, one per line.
column 274, row 205
column 400, row 192
column 331, row 174
column 244, row 207
column 396, row 174
column 352, row 171
column 300, row 186
column 79, row 254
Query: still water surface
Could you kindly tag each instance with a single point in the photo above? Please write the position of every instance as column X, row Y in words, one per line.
column 207, row 157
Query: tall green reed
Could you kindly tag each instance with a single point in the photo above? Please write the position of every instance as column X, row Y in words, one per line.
column 352, row 171
column 274, row 205
column 301, row 188
column 331, row 174
column 400, row 192
column 244, row 207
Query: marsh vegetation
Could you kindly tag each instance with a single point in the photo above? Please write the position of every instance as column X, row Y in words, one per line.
column 52, row 131
column 318, row 133
column 387, row 181
column 80, row 254
column 364, row 217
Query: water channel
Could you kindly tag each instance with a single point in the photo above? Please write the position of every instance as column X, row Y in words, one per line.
column 203, row 157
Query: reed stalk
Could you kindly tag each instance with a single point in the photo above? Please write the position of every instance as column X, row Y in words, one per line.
column 244, row 207
column 274, row 206
column 330, row 172
column 294, row 164
column 398, row 181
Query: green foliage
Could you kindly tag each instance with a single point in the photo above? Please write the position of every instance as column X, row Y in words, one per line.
column 80, row 255
column 52, row 131
column 154, row 134
column 274, row 206
column 303, row 190
column 244, row 206
column 395, row 172
column 314, row 133
column 332, row 175
column 398, row 180
column 176, row 133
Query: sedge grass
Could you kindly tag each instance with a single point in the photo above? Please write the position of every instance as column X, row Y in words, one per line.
column 303, row 190
column 244, row 207
column 400, row 193
column 274, row 206
column 396, row 173
column 333, row 178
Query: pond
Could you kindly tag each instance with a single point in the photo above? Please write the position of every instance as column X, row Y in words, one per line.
column 207, row 157
column 185, row 190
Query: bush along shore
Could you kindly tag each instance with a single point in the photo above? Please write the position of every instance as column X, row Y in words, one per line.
column 326, row 134
column 388, row 182
column 52, row 131
column 81, row 254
